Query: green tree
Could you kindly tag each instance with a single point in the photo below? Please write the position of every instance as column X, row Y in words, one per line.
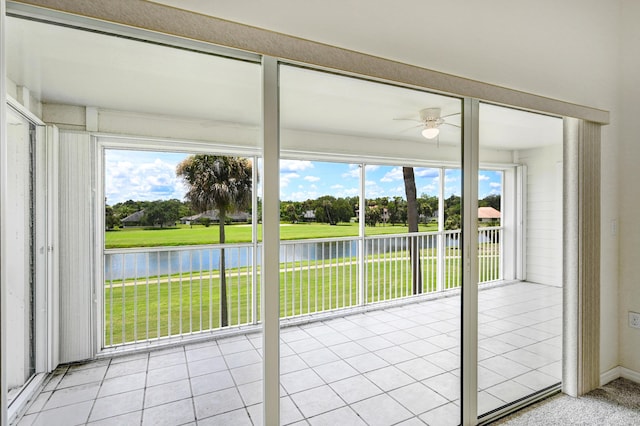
column 161, row 213
column 325, row 209
column 427, row 206
column 452, row 211
column 289, row 212
column 221, row 183
column 327, row 206
column 395, row 207
column 490, row 201
column 372, row 215
column 342, row 210
column 452, row 222
column 185, row 210
column 110, row 220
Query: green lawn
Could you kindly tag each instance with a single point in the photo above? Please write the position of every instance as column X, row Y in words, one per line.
column 198, row 234
column 188, row 303
column 306, row 287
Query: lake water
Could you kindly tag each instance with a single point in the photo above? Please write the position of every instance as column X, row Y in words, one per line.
column 120, row 266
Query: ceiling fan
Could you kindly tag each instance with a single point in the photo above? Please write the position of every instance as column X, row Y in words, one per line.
column 430, row 121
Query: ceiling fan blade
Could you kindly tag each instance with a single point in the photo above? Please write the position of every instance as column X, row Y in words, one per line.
column 407, row 119
column 453, row 125
column 450, row 115
column 410, row 128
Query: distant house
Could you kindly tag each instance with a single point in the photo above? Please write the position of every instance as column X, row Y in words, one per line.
column 134, row 219
column 488, row 214
column 309, row 216
column 385, row 215
column 212, row 215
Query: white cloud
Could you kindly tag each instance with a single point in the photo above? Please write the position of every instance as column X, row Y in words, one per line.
column 285, row 178
column 495, row 184
column 424, row 172
column 311, row 178
column 451, row 190
column 300, row 196
column 295, row 165
column 349, row 192
column 393, row 174
column 150, row 179
column 337, row 186
column 430, row 189
column 398, row 191
column 369, row 167
column 373, row 190
column 483, row 177
column 354, row 172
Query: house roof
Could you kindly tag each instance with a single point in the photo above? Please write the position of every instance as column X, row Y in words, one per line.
column 135, row 217
column 488, row 213
column 213, row 215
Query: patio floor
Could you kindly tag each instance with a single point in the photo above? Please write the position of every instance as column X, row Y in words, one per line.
column 396, row 365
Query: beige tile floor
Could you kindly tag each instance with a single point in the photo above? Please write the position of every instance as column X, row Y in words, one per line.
column 398, row 365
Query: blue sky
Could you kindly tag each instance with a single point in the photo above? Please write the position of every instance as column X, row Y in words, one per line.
column 146, row 175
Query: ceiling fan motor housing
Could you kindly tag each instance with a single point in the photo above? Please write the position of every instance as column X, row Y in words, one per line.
column 431, row 117
column 430, row 114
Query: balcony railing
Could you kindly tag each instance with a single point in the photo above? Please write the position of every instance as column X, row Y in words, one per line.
column 157, row 293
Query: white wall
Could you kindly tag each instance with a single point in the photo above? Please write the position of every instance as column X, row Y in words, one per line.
column 544, row 214
column 629, row 227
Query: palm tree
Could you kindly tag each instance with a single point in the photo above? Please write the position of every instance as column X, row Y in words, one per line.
column 412, row 221
column 221, row 183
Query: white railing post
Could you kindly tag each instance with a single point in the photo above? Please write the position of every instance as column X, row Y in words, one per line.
column 440, row 263
column 440, row 254
column 361, row 258
column 500, row 259
column 482, row 255
column 254, row 240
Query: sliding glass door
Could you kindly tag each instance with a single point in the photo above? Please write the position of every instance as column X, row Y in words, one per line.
column 519, row 318
column 367, row 247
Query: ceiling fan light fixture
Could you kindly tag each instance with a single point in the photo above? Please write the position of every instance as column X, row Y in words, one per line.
column 430, row 132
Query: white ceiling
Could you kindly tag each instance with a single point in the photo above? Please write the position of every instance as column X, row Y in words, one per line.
column 63, row 65
column 68, row 66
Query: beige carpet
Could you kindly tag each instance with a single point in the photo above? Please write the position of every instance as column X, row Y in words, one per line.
column 616, row 403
